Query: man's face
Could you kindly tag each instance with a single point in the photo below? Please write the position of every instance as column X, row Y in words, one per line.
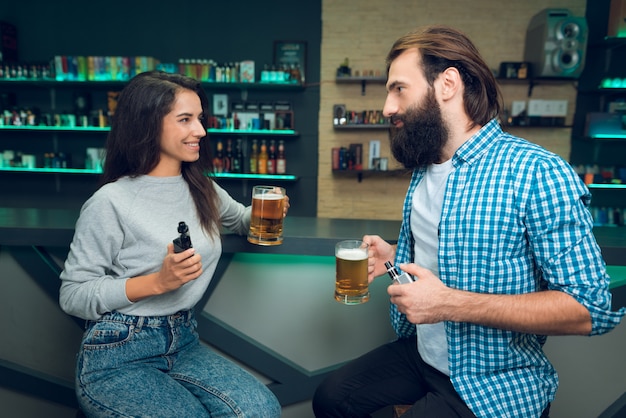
column 418, row 133
column 420, row 138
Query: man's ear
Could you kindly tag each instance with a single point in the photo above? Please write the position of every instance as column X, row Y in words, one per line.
column 451, row 83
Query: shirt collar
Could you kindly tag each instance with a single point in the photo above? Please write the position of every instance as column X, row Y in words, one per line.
column 478, row 143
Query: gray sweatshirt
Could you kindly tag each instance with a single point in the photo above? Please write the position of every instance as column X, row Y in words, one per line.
column 123, row 231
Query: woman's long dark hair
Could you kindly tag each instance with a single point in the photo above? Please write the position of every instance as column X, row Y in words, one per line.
column 443, row 47
column 134, row 144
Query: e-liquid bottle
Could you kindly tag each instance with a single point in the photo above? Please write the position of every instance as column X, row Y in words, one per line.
column 254, row 155
column 281, row 162
column 271, row 158
column 263, row 157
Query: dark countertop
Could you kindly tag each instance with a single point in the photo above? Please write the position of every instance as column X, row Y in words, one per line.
column 303, row 235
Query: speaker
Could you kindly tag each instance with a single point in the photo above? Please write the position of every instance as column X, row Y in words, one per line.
column 556, row 44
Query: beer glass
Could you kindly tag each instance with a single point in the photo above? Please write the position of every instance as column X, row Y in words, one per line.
column 351, row 285
column 266, row 223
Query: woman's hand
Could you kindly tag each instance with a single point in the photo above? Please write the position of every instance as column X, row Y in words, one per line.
column 176, row 270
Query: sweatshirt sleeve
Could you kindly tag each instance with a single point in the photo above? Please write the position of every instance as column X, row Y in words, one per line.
column 234, row 215
column 88, row 290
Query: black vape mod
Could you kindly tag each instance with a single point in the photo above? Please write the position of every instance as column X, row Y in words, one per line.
column 183, row 242
column 397, row 277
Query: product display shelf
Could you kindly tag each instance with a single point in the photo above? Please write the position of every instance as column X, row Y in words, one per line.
column 57, row 136
column 48, row 83
column 381, row 126
column 254, row 132
column 45, row 128
column 597, row 140
column 361, row 174
column 363, row 80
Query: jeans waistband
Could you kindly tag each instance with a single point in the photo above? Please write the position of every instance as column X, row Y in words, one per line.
column 179, row 317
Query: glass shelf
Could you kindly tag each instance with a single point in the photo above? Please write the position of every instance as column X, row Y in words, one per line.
column 248, row 176
column 44, row 128
column 51, row 170
column 606, row 186
column 239, row 176
column 259, row 132
column 121, row 83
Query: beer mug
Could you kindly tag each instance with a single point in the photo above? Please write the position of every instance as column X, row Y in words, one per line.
column 266, row 223
column 351, row 286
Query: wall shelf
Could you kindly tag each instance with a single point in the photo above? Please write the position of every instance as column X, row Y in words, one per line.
column 238, row 176
column 362, row 126
column 362, row 80
column 360, row 174
column 255, row 132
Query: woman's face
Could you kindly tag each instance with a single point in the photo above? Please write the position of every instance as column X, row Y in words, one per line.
column 182, row 132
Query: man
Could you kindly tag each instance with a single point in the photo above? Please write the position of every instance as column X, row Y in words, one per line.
column 496, row 233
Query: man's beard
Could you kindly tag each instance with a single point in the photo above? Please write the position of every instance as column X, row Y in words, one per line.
column 420, row 141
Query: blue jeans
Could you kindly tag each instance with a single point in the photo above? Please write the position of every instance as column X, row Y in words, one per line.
column 134, row 366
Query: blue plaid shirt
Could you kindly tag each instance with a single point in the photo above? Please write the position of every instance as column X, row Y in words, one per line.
column 514, row 220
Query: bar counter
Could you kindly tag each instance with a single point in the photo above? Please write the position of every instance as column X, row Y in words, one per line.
column 303, row 235
column 269, row 308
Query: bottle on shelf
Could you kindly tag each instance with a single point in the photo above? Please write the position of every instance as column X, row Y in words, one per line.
column 237, row 162
column 281, row 162
column 228, row 158
column 218, row 160
column 262, row 160
column 271, row 158
column 254, row 155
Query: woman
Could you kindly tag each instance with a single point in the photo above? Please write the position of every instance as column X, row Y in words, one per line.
column 140, row 354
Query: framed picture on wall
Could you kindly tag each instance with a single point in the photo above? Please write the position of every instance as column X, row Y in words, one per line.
column 291, row 54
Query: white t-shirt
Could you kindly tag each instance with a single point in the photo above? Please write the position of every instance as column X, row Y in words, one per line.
column 425, row 216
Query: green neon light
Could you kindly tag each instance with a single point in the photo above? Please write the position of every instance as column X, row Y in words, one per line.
column 608, row 136
column 281, row 132
column 55, row 128
column 52, row 170
column 251, row 131
column 606, row 186
column 255, row 176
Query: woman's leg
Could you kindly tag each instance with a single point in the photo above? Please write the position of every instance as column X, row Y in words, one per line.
column 122, row 371
column 225, row 389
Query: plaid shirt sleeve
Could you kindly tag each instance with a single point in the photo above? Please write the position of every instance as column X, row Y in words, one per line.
column 404, row 254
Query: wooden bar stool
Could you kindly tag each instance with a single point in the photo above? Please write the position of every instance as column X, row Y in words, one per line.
column 398, row 410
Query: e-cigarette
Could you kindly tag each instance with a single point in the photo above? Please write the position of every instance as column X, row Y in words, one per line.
column 183, row 242
column 402, row 278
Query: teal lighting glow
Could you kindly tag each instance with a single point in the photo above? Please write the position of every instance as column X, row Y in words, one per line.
column 55, row 128
column 606, row 186
column 608, row 136
column 251, row 131
column 52, row 170
column 243, row 176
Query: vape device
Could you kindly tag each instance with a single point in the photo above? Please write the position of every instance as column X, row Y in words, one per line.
column 183, row 242
column 400, row 278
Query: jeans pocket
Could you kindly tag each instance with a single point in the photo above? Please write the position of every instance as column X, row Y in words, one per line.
column 107, row 334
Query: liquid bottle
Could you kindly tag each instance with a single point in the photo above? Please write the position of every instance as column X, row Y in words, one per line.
column 254, row 155
column 218, row 160
column 262, row 160
column 237, row 164
column 271, row 158
column 228, row 158
column 281, row 162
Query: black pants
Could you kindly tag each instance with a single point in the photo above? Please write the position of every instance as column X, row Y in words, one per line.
column 389, row 375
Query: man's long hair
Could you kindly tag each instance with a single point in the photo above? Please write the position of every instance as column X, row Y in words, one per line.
column 442, row 47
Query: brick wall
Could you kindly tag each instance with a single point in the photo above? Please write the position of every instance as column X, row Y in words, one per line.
column 363, row 31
